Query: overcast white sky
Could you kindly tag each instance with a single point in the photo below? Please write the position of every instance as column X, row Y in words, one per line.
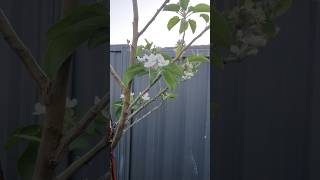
column 121, row 23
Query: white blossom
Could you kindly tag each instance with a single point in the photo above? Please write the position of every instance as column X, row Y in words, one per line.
column 151, row 62
column 132, row 94
column 143, row 59
column 121, row 96
column 70, row 103
column 39, row 109
column 145, row 96
column 161, row 61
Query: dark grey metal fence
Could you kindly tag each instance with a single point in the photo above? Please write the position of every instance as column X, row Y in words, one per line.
column 173, row 142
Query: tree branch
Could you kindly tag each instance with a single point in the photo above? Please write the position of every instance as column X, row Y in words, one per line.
column 191, row 42
column 147, row 103
column 174, row 60
column 15, row 43
column 135, row 33
column 144, row 116
column 117, row 77
column 153, row 18
column 80, row 126
column 82, row 160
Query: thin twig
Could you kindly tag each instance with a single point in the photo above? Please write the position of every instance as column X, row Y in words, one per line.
column 147, row 103
column 145, row 90
column 22, row 51
column 191, row 42
column 143, row 117
column 82, row 160
column 153, row 18
column 80, row 126
column 117, row 77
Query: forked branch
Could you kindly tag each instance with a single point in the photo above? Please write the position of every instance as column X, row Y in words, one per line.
column 79, row 128
column 15, row 43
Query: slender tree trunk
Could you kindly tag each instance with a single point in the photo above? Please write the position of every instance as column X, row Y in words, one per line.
column 52, row 131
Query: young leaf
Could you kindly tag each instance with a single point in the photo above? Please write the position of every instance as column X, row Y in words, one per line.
column 28, row 137
column 26, row 161
column 172, row 7
column 171, row 73
column 148, row 45
column 197, row 58
column 170, row 95
column 172, row 22
column 139, row 50
column 70, row 32
column 184, row 4
column 282, row 6
column 216, row 60
column 201, row 8
column 183, row 26
column 30, row 130
column 152, row 75
column 98, row 38
column 133, row 70
column 166, row 56
column 193, row 25
column 221, row 30
column 205, row 17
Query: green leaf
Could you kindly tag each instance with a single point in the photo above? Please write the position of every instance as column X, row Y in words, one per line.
column 205, row 17
column 193, row 25
column 117, row 105
column 171, row 73
column 201, row 8
column 98, row 38
column 217, row 60
column 172, row 7
column 282, row 6
column 197, row 58
column 139, row 50
column 221, row 30
column 170, row 95
column 148, row 45
column 30, row 130
column 183, row 26
column 166, row 56
column 269, row 28
column 133, row 70
column 152, row 75
column 27, row 137
column 26, row 161
column 172, row 22
column 70, row 32
column 184, row 4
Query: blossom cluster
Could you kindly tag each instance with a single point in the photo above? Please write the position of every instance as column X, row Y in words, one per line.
column 188, row 71
column 153, row 60
column 145, row 96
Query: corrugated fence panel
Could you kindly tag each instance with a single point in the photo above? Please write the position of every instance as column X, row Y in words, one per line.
column 173, row 142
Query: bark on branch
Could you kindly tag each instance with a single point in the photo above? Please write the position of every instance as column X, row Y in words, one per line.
column 117, row 77
column 153, row 18
column 82, row 160
column 15, row 43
